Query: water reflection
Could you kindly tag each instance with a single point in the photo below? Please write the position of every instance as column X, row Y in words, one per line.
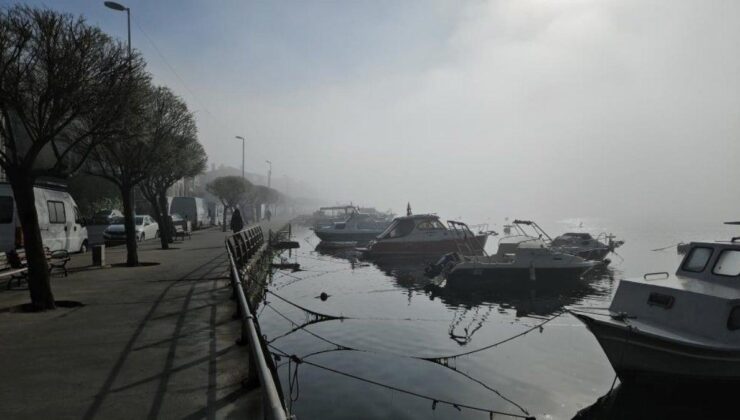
column 526, row 298
column 663, row 401
column 464, row 345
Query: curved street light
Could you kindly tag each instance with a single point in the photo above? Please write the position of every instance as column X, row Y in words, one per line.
column 121, row 8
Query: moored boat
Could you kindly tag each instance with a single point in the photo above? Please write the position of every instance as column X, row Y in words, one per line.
column 519, row 262
column 586, row 246
column 423, row 235
column 680, row 328
column 358, row 228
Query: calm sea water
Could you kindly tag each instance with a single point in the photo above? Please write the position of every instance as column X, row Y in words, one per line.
column 375, row 363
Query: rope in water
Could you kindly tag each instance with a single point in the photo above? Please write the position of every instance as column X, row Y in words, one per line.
column 434, row 400
column 340, row 347
column 439, row 359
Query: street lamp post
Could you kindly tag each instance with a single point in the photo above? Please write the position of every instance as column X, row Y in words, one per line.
column 269, row 173
column 121, row 8
column 242, row 139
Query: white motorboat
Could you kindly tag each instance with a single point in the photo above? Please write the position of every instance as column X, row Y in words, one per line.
column 684, row 327
column 581, row 244
column 586, row 246
column 520, row 261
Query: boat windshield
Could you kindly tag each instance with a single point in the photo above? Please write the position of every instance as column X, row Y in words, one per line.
column 398, row 228
column 430, row 225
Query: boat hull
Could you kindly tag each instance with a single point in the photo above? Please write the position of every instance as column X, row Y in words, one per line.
column 348, row 236
column 596, row 254
column 435, row 248
column 637, row 356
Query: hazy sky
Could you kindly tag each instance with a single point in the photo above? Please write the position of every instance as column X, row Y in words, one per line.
column 480, row 109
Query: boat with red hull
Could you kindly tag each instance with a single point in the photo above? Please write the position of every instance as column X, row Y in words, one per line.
column 423, row 235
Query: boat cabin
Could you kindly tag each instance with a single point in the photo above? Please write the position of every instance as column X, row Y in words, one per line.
column 415, row 225
column 336, row 211
column 701, row 301
column 424, row 234
column 573, row 238
column 361, row 221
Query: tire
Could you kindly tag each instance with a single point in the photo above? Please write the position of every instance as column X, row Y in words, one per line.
column 142, row 237
column 83, row 247
column 156, row 234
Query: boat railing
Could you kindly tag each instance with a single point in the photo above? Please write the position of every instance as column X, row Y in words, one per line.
column 538, row 230
column 246, row 250
column 463, row 237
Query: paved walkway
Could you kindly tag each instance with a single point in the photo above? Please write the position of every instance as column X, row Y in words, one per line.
column 151, row 341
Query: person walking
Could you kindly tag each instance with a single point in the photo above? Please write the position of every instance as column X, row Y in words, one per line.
column 236, row 221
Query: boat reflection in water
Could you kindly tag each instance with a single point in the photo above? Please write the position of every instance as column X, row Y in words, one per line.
column 657, row 401
column 528, row 298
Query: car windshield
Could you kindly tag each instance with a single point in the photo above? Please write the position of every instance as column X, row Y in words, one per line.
column 117, row 221
column 139, row 220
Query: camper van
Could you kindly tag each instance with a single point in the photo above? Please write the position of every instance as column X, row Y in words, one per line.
column 191, row 208
column 60, row 221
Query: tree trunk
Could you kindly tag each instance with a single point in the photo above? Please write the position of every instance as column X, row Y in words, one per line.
column 39, row 285
column 224, row 225
column 164, row 226
column 129, row 223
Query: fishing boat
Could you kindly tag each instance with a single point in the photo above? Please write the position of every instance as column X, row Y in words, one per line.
column 424, row 235
column 358, row 228
column 586, row 246
column 676, row 328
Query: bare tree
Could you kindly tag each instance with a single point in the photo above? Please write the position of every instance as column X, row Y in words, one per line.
column 63, row 85
column 178, row 155
column 230, row 190
column 128, row 157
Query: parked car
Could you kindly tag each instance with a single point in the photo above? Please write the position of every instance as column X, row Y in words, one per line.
column 62, row 227
column 106, row 217
column 146, row 228
column 192, row 209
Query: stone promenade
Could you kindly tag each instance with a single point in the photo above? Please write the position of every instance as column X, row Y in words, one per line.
column 155, row 341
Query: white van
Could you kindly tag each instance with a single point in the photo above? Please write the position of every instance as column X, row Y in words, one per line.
column 215, row 213
column 60, row 221
column 191, row 208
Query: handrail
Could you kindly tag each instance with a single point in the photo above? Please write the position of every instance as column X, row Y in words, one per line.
column 274, row 408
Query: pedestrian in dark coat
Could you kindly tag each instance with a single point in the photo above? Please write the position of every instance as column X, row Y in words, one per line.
column 236, row 221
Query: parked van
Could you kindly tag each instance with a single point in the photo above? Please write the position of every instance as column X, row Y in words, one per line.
column 215, row 213
column 60, row 221
column 191, row 208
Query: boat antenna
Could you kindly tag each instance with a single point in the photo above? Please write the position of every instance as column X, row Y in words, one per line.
column 408, row 209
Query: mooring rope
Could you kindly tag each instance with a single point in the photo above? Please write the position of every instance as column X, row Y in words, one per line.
column 667, row 247
column 445, row 359
column 434, row 400
column 314, row 313
column 442, row 360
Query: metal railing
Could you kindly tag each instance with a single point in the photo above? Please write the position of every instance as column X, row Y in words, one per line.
column 245, row 249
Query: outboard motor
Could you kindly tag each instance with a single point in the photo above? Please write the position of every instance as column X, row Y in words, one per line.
column 444, row 264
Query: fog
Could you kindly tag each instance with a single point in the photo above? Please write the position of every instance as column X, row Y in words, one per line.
column 482, row 109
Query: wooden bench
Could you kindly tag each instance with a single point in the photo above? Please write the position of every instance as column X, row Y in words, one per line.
column 7, row 269
column 16, row 259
